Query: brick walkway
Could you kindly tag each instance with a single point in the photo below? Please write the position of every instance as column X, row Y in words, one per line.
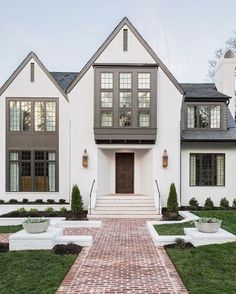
column 123, row 259
column 4, row 237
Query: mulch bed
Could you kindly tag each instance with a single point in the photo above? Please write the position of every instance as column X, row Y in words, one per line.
column 186, row 245
column 68, row 214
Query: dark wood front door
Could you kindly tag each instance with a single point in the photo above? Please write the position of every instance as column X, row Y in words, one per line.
column 124, row 172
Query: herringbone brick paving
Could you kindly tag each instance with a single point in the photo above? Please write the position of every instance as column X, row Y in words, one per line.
column 123, row 259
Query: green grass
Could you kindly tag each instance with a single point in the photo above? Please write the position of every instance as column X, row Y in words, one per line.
column 207, row 269
column 33, row 272
column 228, row 217
column 10, row 229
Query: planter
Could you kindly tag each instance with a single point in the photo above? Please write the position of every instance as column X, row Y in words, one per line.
column 208, row 225
column 36, row 227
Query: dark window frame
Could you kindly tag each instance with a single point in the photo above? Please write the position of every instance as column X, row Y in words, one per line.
column 32, row 167
column 125, row 39
column 32, row 72
column 198, row 125
column 213, row 172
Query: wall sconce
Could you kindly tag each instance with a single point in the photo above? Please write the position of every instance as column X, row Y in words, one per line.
column 85, row 158
column 165, row 159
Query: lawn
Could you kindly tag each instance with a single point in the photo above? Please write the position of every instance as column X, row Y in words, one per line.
column 33, row 272
column 10, row 229
column 228, row 222
column 206, row 269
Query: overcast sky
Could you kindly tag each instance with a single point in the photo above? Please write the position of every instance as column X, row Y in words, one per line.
column 65, row 33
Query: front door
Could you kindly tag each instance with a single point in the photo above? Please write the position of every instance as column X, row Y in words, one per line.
column 124, row 172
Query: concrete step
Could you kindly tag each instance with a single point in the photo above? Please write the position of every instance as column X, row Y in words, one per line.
column 124, row 204
column 124, row 197
column 125, row 208
column 150, row 216
column 126, row 212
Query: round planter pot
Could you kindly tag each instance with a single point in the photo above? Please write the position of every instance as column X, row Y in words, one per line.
column 208, row 227
column 35, row 228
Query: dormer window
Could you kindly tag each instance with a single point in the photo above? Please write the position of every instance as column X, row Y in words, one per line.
column 204, row 116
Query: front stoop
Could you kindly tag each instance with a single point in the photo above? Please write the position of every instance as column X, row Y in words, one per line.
column 124, row 206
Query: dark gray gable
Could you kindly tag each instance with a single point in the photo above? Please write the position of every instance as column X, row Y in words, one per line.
column 125, row 21
column 22, row 65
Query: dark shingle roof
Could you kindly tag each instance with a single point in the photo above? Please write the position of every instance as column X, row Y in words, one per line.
column 202, row 90
column 64, row 79
column 212, row 135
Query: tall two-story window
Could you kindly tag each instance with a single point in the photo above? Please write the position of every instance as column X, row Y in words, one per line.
column 207, row 169
column 125, row 99
column 106, row 99
column 45, row 116
column 144, row 99
column 204, row 116
column 32, row 171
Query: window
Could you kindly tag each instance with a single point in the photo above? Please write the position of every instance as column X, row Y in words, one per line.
column 207, row 169
column 125, row 100
column 144, row 119
column 106, row 118
column 125, row 119
column 32, row 72
column 144, row 80
column 125, row 80
column 125, row 40
column 144, row 99
column 32, row 171
column 107, row 80
column 45, row 116
column 106, row 99
column 204, row 116
column 20, row 115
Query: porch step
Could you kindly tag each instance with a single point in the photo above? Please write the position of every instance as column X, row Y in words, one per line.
column 125, row 208
column 150, row 216
column 124, row 204
column 124, row 197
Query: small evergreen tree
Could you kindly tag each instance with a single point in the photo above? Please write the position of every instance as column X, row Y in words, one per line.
column 76, row 200
column 234, row 203
column 208, row 204
column 193, row 203
column 224, row 203
column 172, row 202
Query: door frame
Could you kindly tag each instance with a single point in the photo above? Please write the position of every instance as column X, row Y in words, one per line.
column 116, row 171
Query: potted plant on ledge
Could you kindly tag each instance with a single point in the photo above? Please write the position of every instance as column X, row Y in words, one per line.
column 208, row 225
column 36, row 225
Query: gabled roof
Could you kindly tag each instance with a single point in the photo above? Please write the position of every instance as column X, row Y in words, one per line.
column 64, row 78
column 125, row 21
column 22, row 65
column 202, row 91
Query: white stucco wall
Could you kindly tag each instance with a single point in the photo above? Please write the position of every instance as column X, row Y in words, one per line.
column 216, row 193
column 41, row 88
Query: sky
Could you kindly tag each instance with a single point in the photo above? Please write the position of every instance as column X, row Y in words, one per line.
column 65, row 33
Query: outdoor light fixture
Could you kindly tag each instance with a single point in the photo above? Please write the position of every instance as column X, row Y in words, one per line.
column 165, row 159
column 85, row 158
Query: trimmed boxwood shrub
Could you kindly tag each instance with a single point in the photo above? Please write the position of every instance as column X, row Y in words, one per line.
column 193, row 204
column 13, row 201
column 63, row 209
column 234, row 203
column 51, row 201
column 38, row 201
column 2, row 201
column 62, row 201
column 25, row 200
column 224, row 203
column 67, row 249
column 21, row 210
column 172, row 202
column 209, row 204
column 49, row 209
column 76, row 200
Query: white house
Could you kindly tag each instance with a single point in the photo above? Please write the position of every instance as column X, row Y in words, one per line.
column 123, row 129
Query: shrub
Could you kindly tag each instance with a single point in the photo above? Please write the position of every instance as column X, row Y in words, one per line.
column 49, row 209
column 172, row 202
column 62, row 201
column 208, row 204
column 76, row 200
column 193, row 203
column 63, row 209
column 25, row 200
column 38, row 201
column 21, row 210
column 224, row 203
column 33, row 210
column 234, row 203
column 13, row 201
column 2, row 201
column 51, row 201
column 4, row 247
column 180, row 243
column 67, row 249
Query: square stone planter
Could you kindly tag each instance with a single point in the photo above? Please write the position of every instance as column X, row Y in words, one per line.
column 36, row 227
